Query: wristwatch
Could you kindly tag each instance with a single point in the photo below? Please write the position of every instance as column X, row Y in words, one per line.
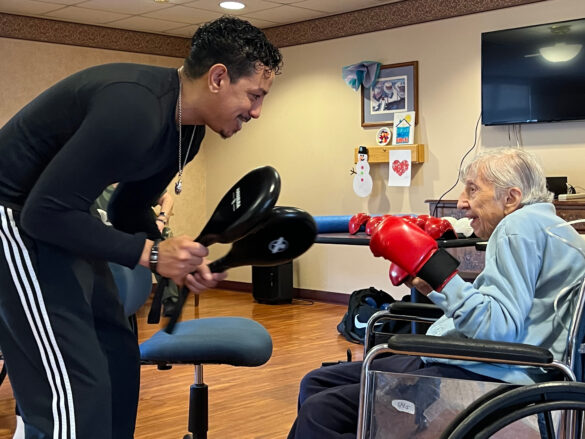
column 154, row 256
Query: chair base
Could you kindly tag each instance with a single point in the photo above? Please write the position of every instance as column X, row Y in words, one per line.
column 198, row 411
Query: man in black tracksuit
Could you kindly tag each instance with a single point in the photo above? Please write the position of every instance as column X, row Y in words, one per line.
column 72, row 360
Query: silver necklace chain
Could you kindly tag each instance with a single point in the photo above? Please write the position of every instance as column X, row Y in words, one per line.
column 182, row 163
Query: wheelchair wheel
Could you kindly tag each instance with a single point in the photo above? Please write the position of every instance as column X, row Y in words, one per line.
column 496, row 410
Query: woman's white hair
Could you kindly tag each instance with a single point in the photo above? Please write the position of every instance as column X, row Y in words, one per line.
column 506, row 168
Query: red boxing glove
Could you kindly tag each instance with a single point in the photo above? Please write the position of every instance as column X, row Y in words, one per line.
column 356, row 222
column 439, row 228
column 421, row 221
column 410, row 219
column 397, row 274
column 414, row 251
column 372, row 223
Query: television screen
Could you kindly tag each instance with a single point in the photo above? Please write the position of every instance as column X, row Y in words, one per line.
column 533, row 74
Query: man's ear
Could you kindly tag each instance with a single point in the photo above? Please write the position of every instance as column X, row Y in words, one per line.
column 513, row 200
column 217, row 77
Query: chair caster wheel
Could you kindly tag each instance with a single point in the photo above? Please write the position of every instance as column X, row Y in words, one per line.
column 188, row 436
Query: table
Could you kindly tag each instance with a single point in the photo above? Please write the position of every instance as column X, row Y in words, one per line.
column 342, row 238
column 361, row 238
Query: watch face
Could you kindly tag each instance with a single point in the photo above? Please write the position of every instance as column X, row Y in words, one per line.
column 383, row 136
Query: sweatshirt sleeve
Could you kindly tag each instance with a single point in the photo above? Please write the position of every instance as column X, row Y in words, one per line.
column 113, row 143
column 496, row 305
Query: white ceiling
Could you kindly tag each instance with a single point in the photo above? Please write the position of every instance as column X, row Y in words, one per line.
column 180, row 17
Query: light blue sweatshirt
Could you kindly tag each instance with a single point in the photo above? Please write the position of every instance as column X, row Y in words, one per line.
column 512, row 299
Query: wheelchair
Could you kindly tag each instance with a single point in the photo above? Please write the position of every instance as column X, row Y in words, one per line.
column 557, row 403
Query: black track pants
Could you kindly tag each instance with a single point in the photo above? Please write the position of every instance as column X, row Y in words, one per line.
column 72, row 359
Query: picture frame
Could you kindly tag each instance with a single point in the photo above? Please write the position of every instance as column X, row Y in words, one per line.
column 395, row 90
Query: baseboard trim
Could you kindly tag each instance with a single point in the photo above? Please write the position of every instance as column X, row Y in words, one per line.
column 321, row 296
column 298, row 293
column 242, row 287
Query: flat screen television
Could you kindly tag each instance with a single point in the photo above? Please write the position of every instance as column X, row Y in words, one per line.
column 533, row 74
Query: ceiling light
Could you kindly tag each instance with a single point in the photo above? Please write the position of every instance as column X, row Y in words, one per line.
column 560, row 52
column 161, row 1
column 232, row 5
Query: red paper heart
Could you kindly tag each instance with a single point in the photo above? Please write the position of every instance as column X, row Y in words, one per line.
column 400, row 167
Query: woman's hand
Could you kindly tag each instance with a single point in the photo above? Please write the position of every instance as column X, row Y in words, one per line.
column 420, row 285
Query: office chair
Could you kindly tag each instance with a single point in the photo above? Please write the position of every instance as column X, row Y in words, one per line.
column 234, row 341
column 507, row 403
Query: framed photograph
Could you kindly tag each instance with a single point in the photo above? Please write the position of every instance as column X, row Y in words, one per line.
column 395, row 91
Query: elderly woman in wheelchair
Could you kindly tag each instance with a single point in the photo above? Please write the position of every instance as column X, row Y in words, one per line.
column 526, row 296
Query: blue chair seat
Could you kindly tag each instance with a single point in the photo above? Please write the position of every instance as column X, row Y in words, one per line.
column 235, row 341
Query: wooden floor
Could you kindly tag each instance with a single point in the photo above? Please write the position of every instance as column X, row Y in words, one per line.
column 245, row 403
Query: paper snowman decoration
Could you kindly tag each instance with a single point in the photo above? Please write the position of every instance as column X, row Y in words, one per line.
column 362, row 181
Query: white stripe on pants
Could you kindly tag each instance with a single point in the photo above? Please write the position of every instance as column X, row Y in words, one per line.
column 27, row 285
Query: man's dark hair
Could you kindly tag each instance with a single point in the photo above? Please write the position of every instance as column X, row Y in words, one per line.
column 240, row 46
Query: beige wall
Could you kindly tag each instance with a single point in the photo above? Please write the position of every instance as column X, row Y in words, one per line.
column 311, row 125
column 27, row 68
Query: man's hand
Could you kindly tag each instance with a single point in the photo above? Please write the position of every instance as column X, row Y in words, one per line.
column 177, row 256
column 202, row 279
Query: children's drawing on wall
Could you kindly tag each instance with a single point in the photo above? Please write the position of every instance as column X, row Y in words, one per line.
column 404, row 128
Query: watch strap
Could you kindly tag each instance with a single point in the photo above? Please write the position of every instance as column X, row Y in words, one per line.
column 153, row 260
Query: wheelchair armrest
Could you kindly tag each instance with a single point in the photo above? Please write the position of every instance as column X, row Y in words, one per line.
column 468, row 349
column 416, row 310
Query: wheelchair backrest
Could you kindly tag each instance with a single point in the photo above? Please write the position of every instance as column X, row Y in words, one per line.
column 575, row 350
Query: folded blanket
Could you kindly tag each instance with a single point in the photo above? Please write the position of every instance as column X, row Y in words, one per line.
column 365, row 72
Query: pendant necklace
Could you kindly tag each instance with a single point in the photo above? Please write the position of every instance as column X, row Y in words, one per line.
column 179, row 183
